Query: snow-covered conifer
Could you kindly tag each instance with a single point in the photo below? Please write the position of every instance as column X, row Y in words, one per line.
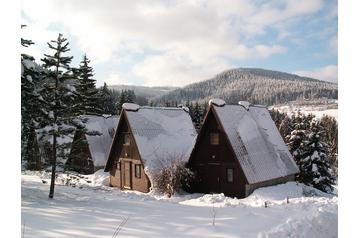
column 59, row 97
column 314, row 164
column 87, row 94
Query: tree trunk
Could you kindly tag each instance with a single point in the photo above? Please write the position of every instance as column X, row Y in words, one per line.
column 53, row 174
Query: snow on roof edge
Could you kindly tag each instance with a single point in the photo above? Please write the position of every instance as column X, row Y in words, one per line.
column 130, row 106
column 217, row 102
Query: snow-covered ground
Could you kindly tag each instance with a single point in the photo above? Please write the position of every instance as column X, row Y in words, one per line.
column 330, row 109
column 86, row 207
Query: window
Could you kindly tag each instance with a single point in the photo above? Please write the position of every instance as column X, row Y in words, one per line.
column 137, row 171
column 126, row 139
column 230, row 175
column 214, row 138
column 119, row 165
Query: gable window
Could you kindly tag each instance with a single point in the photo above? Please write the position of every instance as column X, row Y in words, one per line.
column 137, row 170
column 126, row 139
column 214, row 138
column 230, row 175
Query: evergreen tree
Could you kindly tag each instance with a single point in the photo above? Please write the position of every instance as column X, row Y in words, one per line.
column 87, row 94
column 285, row 127
column 59, row 97
column 107, row 100
column 330, row 126
column 31, row 110
column 295, row 140
column 314, row 164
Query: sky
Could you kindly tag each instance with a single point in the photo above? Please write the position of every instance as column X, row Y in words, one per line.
column 177, row 42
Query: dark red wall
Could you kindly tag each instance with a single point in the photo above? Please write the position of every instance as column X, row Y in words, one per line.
column 211, row 172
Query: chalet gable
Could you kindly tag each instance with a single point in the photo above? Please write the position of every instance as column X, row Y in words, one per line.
column 158, row 132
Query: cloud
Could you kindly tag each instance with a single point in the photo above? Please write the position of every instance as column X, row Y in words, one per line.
column 187, row 40
column 328, row 73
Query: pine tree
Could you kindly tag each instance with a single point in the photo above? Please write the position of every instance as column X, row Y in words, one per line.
column 59, row 96
column 87, row 94
column 314, row 164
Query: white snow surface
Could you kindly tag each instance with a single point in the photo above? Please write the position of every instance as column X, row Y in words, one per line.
column 331, row 109
column 88, row 208
column 217, row 101
column 162, row 133
column 99, row 145
column 130, row 106
column 245, row 104
column 257, row 143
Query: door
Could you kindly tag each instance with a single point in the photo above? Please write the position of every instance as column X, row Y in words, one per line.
column 127, row 175
column 214, row 178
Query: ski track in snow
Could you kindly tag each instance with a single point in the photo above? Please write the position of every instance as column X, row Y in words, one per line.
column 96, row 210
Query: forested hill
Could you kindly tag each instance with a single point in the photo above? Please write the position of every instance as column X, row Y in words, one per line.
column 258, row 86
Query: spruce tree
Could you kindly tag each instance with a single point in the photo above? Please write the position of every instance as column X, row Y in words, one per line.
column 314, row 164
column 59, row 97
column 107, row 100
column 330, row 126
column 31, row 108
column 87, row 94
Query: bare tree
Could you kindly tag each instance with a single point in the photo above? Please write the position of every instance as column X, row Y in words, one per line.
column 171, row 175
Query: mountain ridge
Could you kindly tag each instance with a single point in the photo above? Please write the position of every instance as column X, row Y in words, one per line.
column 256, row 85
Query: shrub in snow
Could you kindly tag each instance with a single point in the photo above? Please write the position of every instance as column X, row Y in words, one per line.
column 171, row 174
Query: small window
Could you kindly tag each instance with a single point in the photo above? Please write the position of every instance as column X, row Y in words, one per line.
column 119, row 165
column 126, row 139
column 137, row 170
column 214, row 138
column 230, row 175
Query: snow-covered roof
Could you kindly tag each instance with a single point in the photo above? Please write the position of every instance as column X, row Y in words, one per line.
column 130, row 106
column 217, row 101
column 256, row 141
column 99, row 145
column 162, row 133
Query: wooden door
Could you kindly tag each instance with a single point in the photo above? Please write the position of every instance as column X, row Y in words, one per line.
column 213, row 175
column 127, row 175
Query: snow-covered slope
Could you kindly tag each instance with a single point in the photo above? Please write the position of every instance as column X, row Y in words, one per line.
column 258, row 86
column 329, row 108
column 91, row 209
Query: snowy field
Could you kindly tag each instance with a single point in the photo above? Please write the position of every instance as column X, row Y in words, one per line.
column 317, row 110
column 86, row 207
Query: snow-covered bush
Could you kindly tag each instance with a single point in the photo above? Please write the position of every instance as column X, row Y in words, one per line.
column 171, row 175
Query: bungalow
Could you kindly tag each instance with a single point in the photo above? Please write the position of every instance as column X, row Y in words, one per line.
column 89, row 150
column 144, row 136
column 239, row 149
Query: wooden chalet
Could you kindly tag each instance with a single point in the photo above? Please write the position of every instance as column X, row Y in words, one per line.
column 89, row 150
column 145, row 135
column 239, row 149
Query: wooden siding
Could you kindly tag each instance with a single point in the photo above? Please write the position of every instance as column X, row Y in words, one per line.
column 210, row 162
column 127, row 156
